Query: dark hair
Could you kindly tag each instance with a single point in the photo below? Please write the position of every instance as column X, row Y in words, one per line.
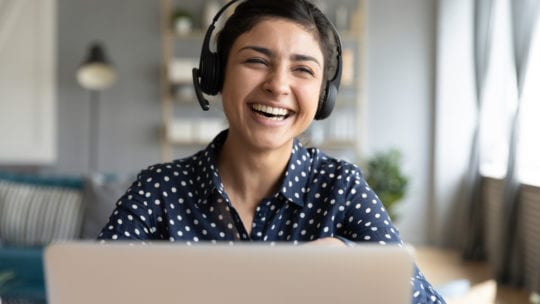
column 302, row 12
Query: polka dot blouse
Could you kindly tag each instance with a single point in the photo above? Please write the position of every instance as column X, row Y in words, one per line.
column 319, row 197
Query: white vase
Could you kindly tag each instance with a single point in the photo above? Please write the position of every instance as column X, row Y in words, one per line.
column 183, row 25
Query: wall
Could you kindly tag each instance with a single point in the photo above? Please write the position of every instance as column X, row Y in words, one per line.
column 27, row 82
column 129, row 111
column 400, row 98
column 455, row 118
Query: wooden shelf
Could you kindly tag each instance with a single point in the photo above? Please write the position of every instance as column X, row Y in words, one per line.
column 330, row 144
column 193, row 35
column 189, row 143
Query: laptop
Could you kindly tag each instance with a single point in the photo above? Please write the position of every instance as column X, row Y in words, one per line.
column 83, row 272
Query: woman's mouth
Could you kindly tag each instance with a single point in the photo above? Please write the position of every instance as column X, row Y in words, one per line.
column 273, row 113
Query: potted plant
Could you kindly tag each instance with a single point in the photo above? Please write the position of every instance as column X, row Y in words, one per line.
column 385, row 177
column 182, row 21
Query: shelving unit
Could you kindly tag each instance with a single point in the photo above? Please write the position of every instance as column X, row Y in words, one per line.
column 182, row 130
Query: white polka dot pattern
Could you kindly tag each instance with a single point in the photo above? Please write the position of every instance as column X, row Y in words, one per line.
column 319, row 197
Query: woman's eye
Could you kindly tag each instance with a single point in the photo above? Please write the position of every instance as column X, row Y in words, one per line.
column 305, row 70
column 256, row 61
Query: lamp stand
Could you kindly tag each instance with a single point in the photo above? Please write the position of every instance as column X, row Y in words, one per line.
column 93, row 159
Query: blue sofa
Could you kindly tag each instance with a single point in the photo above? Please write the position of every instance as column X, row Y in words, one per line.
column 36, row 210
column 28, row 280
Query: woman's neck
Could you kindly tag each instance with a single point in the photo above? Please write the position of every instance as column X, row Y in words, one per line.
column 249, row 175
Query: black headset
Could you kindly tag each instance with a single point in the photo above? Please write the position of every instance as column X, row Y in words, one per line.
column 208, row 77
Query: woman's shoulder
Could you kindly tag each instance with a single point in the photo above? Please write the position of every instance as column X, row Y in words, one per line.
column 172, row 169
column 333, row 166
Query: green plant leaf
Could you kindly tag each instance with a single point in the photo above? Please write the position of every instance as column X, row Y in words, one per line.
column 385, row 177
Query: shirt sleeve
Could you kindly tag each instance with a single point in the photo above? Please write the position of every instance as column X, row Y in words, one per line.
column 366, row 220
column 134, row 216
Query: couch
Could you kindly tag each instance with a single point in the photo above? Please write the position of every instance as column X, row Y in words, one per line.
column 37, row 209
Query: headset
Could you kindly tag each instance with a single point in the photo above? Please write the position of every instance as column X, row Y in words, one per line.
column 208, row 78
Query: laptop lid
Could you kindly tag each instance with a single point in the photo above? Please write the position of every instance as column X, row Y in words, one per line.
column 175, row 273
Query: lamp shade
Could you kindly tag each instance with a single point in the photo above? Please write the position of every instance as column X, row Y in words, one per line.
column 96, row 72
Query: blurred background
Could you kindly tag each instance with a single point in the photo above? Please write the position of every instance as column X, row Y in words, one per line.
column 98, row 90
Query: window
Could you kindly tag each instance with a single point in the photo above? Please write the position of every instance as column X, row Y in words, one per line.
column 528, row 161
column 500, row 101
column 500, row 96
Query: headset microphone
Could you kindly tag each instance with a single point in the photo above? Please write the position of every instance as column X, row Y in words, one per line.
column 205, row 105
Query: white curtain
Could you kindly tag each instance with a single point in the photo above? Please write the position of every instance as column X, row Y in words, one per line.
column 524, row 15
column 473, row 233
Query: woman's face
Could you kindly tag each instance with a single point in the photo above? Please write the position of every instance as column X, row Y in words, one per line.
column 272, row 84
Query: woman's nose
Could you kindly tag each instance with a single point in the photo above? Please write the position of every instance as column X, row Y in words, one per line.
column 277, row 82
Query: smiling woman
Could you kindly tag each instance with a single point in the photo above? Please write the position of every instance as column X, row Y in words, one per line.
column 277, row 68
column 268, row 69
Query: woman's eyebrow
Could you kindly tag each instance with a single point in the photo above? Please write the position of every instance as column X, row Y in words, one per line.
column 258, row 49
column 300, row 57
column 269, row 53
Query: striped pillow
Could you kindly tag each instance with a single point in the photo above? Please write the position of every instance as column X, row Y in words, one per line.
column 36, row 214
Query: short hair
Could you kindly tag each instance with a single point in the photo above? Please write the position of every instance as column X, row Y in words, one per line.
column 250, row 12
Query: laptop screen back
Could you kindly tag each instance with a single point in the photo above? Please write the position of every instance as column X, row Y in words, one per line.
column 240, row 274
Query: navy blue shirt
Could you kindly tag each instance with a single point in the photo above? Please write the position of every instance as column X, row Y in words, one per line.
column 319, row 197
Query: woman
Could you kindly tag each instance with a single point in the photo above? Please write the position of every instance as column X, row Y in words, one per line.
column 255, row 181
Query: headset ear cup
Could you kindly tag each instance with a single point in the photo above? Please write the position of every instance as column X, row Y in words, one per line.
column 216, row 75
column 328, row 102
column 203, row 71
column 208, row 67
column 210, row 74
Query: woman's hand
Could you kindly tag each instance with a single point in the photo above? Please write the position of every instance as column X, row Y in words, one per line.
column 327, row 241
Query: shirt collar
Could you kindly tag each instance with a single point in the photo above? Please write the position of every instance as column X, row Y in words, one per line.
column 205, row 169
column 294, row 185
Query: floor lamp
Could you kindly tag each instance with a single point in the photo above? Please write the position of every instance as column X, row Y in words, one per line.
column 95, row 74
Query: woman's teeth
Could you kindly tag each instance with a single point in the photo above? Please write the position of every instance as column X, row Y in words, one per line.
column 270, row 112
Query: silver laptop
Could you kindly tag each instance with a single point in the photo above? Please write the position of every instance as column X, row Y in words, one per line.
column 241, row 274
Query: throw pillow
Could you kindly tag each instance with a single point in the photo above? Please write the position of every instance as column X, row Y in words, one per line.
column 34, row 213
column 101, row 192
